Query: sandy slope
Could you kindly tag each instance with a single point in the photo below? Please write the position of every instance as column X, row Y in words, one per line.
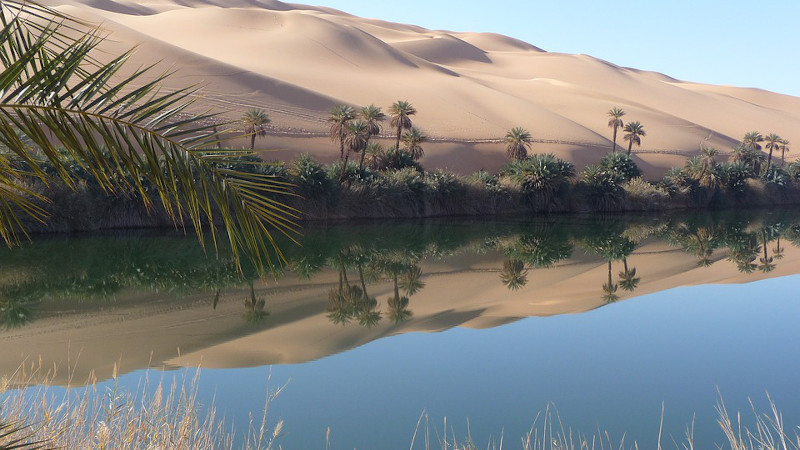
column 141, row 330
column 297, row 61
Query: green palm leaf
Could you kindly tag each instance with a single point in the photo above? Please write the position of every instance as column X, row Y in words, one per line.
column 58, row 103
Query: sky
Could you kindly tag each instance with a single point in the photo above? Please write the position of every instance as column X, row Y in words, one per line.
column 728, row 42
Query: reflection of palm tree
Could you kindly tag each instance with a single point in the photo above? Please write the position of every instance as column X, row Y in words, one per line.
column 514, row 275
column 254, row 308
column 398, row 306
column 766, row 261
column 15, row 314
column 777, row 251
column 704, row 250
column 627, row 278
column 610, row 288
column 411, row 282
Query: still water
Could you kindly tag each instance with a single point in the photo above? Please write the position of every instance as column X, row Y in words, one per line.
column 486, row 323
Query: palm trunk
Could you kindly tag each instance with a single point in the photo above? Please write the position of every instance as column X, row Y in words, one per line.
column 625, row 264
column 610, row 281
column 630, row 146
column 344, row 164
column 783, row 156
column 399, row 131
column 253, row 141
column 769, row 162
column 341, row 145
column 363, row 154
column 614, row 149
column 363, row 285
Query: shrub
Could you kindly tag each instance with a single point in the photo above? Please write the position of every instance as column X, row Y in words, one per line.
column 392, row 159
column 621, row 164
column 444, row 184
column 643, row 196
column 543, row 178
column 311, row 180
column 352, row 174
column 604, row 186
column 793, row 169
column 776, row 176
column 733, row 176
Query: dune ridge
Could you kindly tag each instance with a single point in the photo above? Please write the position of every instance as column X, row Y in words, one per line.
column 297, row 61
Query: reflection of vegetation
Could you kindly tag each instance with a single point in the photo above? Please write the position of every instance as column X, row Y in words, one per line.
column 15, row 314
column 254, row 308
column 627, row 278
column 610, row 288
column 368, row 258
column 514, row 275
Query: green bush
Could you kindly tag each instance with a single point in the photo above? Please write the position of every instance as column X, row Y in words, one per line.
column 392, row 159
column 444, row 184
column 604, row 187
column 311, row 180
column 352, row 174
column 621, row 164
column 734, row 176
column 776, row 176
column 543, row 178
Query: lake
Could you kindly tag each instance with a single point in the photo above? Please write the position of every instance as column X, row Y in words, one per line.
column 371, row 326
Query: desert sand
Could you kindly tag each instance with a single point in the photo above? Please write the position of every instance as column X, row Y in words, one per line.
column 296, row 62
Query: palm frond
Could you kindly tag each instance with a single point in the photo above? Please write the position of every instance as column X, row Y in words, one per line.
column 57, row 101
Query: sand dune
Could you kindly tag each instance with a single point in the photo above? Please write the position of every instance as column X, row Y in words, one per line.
column 297, row 61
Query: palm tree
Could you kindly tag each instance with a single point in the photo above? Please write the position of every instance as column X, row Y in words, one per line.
column 773, row 143
column 753, row 140
column 614, row 122
column 751, row 157
column 703, row 167
column 628, row 279
column 373, row 116
column 339, row 116
column 356, row 136
column 784, row 149
column 59, row 104
column 413, row 140
column 634, row 131
column 401, row 112
column 254, row 122
column 518, row 142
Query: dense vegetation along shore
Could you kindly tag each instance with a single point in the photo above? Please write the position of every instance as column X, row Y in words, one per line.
column 391, row 183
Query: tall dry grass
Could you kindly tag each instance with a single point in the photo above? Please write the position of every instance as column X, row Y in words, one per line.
column 157, row 416
column 154, row 415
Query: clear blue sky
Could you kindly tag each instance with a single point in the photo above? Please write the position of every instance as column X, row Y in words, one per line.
column 732, row 42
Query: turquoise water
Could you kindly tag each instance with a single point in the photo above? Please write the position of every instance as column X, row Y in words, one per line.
column 484, row 323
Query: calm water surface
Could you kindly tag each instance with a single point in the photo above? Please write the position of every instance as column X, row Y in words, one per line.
column 484, row 323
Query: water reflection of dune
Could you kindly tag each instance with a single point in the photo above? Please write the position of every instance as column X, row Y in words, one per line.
column 448, row 276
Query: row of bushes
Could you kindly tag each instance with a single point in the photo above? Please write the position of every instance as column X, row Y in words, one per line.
column 541, row 183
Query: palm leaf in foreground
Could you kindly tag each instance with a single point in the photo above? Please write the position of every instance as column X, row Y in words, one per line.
column 56, row 101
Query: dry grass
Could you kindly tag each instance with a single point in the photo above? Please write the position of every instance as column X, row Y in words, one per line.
column 153, row 416
column 765, row 431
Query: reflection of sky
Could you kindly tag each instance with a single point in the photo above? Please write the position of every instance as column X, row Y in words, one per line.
column 610, row 368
